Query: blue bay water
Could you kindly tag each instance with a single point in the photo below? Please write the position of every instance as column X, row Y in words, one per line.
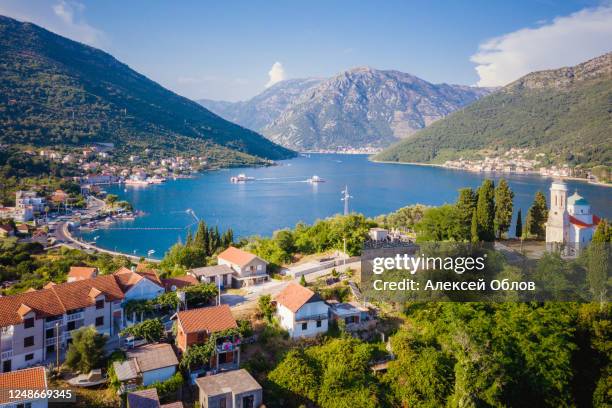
column 280, row 197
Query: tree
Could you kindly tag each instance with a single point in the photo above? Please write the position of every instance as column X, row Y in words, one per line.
column 536, row 216
column 485, row 211
column 111, row 200
column 86, row 351
column 466, row 204
column 503, row 207
column 266, row 307
column 474, row 228
column 603, row 232
column 201, row 239
column 440, row 224
column 202, row 294
column 519, row 224
column 303, row 281
column 151, row 330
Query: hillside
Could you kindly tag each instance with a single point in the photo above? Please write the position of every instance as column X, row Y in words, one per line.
column 361, row 107
column 565, row 113
column 55, row 91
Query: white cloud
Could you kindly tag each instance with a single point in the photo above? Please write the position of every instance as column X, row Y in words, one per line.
column 63, row 17
column 276, row 74
column 565, row 41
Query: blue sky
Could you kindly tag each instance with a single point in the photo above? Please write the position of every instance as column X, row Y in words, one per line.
column 226, row 50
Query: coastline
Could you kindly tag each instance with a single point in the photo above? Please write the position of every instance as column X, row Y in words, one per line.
column 598, row 183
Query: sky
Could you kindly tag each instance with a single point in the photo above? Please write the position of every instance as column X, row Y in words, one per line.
column 233, row 50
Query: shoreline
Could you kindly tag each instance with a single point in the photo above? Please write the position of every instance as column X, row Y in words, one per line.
column 598, row 183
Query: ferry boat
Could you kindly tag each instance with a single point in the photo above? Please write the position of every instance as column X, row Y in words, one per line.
column 316, row 179
column 156, row 180
column 241, row 178
column 136, row 182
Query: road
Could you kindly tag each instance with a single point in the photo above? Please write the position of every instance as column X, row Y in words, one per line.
column 62, row 233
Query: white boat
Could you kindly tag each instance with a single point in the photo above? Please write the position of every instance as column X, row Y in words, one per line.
column 316, row 179
column 241, row 178
column 136, row 182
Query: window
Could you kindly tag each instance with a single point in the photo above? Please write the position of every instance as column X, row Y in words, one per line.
column 318, row 323
column 28, row 341
column 99, row 321
column 29, row 357
column 305, row 326
column 200, row 337
column 26, row 405
column 49, row 333
column 71, row 326
column 100, row 304
column 259, row 267
column 50, row 349
column 29, row 322
column 6, row 366
column 222, row 403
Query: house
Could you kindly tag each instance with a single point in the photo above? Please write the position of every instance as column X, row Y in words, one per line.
column 248, row 268
column 77, row 273
column 231, row 389
column 148, row 398
column 355, row 316
column 34, row 379
column 23, row 229
column 141, row 285
column 195, row 326
column 6, row 230
column 146, row 364
column 220, row 275
column 378, row 234
column 301, row 311
column 34, row 323
column 178, row 282
column 570, row 220
column 31, row 199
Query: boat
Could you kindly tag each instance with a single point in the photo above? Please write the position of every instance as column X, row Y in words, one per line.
column 91, row 379
column 136, row 182
column 316, row 179
column 241, row 178
column 156, row 180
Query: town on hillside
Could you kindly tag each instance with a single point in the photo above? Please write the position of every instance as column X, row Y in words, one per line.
column 195, row 328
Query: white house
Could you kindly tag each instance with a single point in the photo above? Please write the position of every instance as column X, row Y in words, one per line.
column 147, row 364
column 301, row 311
column 378, row 234
column 248, row 268
column 138, row 285
column 570, row 220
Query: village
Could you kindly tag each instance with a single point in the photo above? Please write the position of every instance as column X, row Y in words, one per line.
column 516, row 161
column 178, row 339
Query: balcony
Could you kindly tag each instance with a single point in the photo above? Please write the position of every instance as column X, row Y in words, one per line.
column 5, row 355
column 228, row 346
column 74, row 316
column 51, row 324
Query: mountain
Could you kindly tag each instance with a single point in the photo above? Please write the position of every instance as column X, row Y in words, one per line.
column 361, row 107
column 56, row 92
column 264, row 108
column 564, row 113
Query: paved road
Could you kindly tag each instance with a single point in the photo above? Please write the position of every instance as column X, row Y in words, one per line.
column 62, row 233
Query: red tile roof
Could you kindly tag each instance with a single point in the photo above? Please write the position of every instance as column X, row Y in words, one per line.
column 179, row 282
column 82, row 272
column 27, row 379
column 582, row 224
column 294, row 296
column 127, row 278
column 55, row 300
column 236, row 256
column 209, row 319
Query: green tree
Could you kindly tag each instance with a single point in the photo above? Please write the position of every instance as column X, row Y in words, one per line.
column 466, row 204
column 440, row 224
column 86, row 351
column 518, row 231
column 485, row 211
column 266, row 307
column 303, row 281
column 603, row 232
column 474, row 228
column 503, row 207
column 111, row 200
column 151, row 330
column 537, row 216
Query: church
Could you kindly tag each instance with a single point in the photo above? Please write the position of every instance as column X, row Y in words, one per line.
column 570, row 221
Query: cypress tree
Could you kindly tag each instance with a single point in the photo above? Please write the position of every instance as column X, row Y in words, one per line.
column 503, row 208
column 519, row 224
column 474, row 228
column 466, row 204
column 485, row 211
column 201, row 237
column 536, row 216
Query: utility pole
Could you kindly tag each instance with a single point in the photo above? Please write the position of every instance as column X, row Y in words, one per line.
column 57, row 346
